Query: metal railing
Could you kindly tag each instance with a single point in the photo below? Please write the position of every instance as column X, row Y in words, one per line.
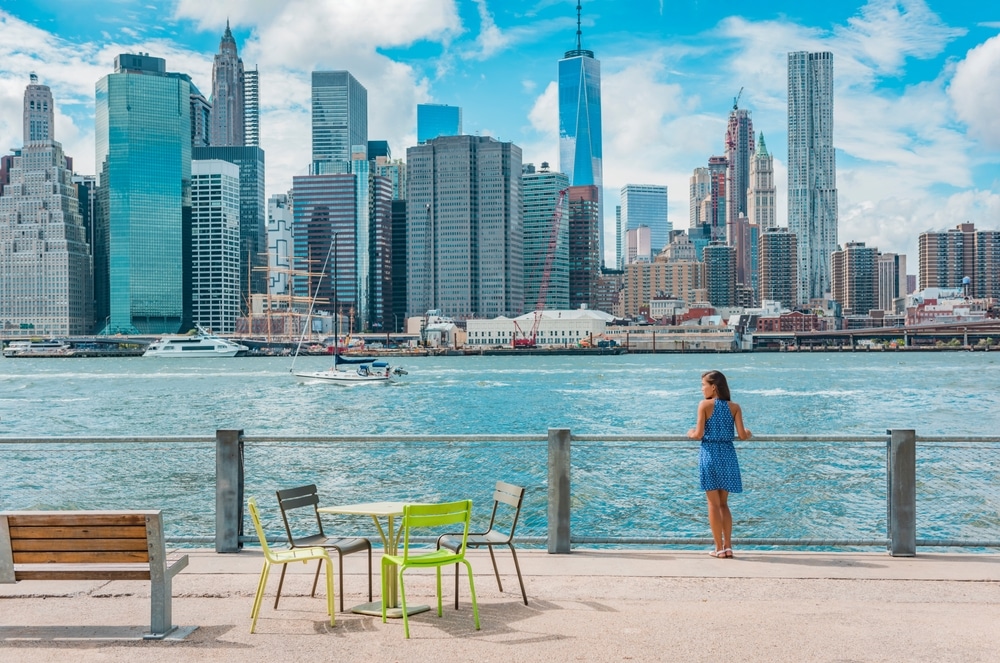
column 626, row 490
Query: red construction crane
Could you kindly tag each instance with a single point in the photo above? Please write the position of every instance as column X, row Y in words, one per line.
column 522, row 340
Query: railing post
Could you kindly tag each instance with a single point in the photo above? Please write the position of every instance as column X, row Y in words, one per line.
column 228, row 490
column 902, row 463
column 559, row 513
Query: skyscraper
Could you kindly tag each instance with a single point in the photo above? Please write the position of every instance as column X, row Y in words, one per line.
column 761, row 198
column 46, row 273
column 253, row 213
column 645, row 205
column 699, row 190
column 720, row 274
column 434, row 120
column 143, row 145
column 228, row 94
column 947, row 258
column 778, row 279
column 812, row 169
column 584, row 245
column 339, row 120
column 325, row 224
column 546, row 246
column 464, row 238
column 854, row 278
column 279, row 247
column 580, row 142
column 891, row 279
column 718, row 170
column 739, row 151
column 215, row 244
column 251, row 107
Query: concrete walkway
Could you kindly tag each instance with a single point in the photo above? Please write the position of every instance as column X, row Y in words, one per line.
column 622, row 605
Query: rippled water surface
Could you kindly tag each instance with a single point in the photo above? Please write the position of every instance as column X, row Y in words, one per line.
column 636, row 489
column 851, row 393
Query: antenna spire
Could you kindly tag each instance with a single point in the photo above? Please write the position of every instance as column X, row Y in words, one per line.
column 579, row 46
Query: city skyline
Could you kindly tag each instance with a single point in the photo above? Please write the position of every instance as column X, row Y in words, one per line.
column 917, row 146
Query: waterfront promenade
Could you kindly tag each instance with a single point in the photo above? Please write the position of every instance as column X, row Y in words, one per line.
column 620, row 605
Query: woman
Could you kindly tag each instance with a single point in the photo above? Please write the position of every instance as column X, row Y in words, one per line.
column 718, row 467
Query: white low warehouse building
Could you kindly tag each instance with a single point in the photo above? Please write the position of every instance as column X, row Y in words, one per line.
column 554, row 328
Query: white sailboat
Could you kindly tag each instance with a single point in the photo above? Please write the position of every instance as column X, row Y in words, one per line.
column 364, row 371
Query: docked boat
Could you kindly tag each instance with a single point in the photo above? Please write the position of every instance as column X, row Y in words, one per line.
column 37, row 348
column 200, row 344
column 373, row 371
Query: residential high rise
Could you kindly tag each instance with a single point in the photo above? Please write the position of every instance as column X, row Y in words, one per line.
column 434, row 120
column 395, row 171
column 720, row 274
column 718, row 170
column 46, row 272
column 946, row 258
column 251, row 107
column 215, row 244
column 744, row 237
column 339, row 120
column 778, row 278
column 464, row 238
column 645, row 205
column 676, row 279
column 143, row 145
column 228, row 94
column 891, row 280
column 700, row 189
column 739, row 154
column 761, row 198
column 584, row 245
column 854, row 278
column 580, row 140
column 253, row 214
column 546, row 246
column 812, row 169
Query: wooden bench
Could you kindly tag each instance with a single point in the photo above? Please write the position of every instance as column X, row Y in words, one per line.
column 91, row 545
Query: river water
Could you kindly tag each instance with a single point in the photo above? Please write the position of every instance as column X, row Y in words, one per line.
column 793, row 490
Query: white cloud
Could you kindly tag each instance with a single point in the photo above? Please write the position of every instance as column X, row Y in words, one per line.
column 975, row 93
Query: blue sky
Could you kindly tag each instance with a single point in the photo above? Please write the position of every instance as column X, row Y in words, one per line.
column 917, row 84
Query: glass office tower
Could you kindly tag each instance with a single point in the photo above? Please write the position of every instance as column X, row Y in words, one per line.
column 339, row 120
column 143, row 145
column 580, row 142
column 435, row 120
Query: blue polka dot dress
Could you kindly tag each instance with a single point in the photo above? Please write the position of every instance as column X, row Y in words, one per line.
column 717, row 463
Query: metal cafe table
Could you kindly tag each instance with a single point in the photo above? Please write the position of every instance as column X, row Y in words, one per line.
column 390, row 544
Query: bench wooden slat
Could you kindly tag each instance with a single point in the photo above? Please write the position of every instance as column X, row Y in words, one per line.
column 27, row 545
column 76, row 519
column 72, row 572
column 90, row 532
column 81, row 557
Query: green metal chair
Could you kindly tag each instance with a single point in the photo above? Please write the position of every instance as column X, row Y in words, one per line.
column 429, row 516
column 286, row 557
column 496, row 534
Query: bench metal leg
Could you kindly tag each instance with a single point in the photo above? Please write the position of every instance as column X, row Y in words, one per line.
column 161, row 618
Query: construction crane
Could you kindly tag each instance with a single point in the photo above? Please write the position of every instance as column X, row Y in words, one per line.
column 521, row 339
column 736, row 99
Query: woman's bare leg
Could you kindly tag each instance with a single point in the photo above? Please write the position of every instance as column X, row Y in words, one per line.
column 727, row 519
column 716, row 518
